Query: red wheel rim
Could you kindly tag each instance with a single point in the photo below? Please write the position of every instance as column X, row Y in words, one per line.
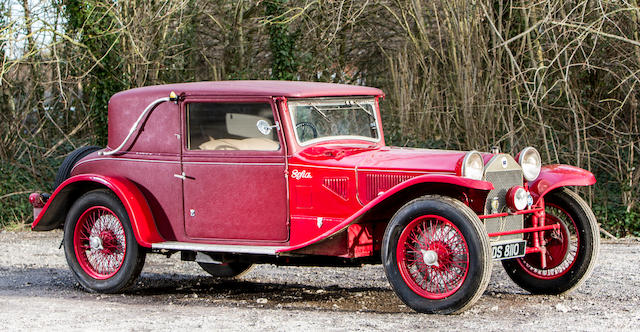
column 99, row 242
column 561, row 246
column 424, row 239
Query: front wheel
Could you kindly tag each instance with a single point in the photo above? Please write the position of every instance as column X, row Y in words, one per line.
column 435, row 253
column 99, row 243
column 570, row 252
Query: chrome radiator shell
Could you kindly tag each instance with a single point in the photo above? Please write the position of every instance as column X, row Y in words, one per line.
column 503, row 172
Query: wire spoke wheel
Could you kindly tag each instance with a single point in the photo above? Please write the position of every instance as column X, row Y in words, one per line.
column 433, row 257
column 100, row 242
column 435, row 253
column 570, row 252
column 561, row 246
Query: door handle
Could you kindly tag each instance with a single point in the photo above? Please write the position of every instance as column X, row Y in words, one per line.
column 181, row 176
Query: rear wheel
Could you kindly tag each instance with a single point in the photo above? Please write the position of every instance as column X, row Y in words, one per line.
column 436, row 255
column 99, row 243
column 226, row 270
column 570, row 253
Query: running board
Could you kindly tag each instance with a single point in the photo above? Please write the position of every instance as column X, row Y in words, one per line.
column 236, row 249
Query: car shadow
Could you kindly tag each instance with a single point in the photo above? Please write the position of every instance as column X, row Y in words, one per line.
column 189, row 289
column 202, row 290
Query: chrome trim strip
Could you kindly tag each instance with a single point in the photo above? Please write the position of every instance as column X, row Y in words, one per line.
column 403, row 171
column 226, row 163
column 126, row 159
column 134, row 128
column 237, row 249
column 131, row 159
column 357, row 169
column 337, row 138
column 336, row 100
column 185, row 162
column 326, row 167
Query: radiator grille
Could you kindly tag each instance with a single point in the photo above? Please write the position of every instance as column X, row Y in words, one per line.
column 377, row 183
column 502, row 182
column 502, row 179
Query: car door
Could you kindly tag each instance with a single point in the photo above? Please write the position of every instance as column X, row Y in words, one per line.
column 234, row 183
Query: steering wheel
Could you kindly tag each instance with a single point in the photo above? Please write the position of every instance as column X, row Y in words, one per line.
column 302, row 132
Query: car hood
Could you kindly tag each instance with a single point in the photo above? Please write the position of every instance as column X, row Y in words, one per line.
column 412, row 160
column 371, row 158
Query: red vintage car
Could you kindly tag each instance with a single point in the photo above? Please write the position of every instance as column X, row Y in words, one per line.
column 236, row 173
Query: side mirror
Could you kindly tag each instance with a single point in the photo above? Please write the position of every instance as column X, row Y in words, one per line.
column 264, row 127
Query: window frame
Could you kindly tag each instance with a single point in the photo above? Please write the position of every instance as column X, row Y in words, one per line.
column 231, row 100
column 376, row 113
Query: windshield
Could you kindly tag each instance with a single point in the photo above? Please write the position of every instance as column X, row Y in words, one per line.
column 324, row 119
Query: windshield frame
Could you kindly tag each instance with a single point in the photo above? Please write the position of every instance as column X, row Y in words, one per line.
column 357, row 100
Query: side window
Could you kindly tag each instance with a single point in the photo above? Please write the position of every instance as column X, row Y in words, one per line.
column 229, row 126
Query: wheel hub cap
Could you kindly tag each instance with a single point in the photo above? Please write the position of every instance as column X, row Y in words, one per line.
column 433, row 257
column 95, row 243
column 430, row 257
column 99, row 242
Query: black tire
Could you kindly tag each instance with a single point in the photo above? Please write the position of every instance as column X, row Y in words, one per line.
column 226, row 270
column 466, row 289
column 117, row 242
column 67, row 164
column 572, row 265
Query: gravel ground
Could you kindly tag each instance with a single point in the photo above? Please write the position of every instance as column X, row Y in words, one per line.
column 37, row 291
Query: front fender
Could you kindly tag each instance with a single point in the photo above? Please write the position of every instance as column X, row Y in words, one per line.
column 446, row 179
column 442, row 178
column 555, row 176
column 54, row 212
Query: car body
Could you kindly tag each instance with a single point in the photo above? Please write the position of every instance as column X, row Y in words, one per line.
column 234, row 173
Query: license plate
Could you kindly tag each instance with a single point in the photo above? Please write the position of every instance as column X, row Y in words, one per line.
column 510, row 249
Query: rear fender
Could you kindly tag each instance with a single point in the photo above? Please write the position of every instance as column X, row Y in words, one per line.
column 398, row 194
column 55, row 211
column 555, row 176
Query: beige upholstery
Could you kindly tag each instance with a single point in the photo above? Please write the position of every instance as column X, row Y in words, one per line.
column 256, row 144
column 260, row 144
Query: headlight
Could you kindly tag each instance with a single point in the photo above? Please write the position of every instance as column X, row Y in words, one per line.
column 529, row 160
column 473, row 166
column 517, row 198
